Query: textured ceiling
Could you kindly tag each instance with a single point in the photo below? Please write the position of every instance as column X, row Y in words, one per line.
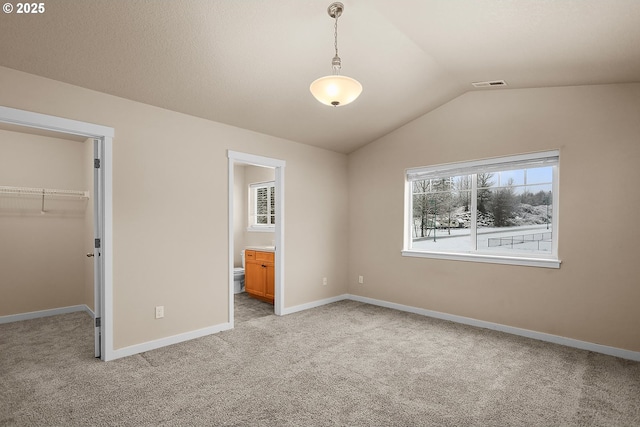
column 249, row 63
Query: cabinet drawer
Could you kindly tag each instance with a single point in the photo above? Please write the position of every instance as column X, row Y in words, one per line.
column 264, row 256
column 250, row 255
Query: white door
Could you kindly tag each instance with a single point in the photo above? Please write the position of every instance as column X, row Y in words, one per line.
column 98, row 227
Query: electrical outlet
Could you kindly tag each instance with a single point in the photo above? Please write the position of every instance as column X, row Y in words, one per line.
column 360, row 279
column 324, row 281
column 159, row 311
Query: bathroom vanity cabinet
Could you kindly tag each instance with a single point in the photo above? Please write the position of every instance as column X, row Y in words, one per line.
column 259, row 274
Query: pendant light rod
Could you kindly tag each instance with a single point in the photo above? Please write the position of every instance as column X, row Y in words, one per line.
column 335, row 11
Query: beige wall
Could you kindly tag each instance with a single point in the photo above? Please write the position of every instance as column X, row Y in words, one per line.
column 594, row 295
column 41, row 255
column 170, row 225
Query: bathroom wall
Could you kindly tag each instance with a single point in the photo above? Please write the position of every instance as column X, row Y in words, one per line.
column 239, row 214
column 252, row 175
column 42, row 256
column 245, row 175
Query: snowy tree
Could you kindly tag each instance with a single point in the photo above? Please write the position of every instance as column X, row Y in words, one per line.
column 442, row 202
column 421, row 206
column 433, row 205
column 463, row 186
column 484, row 193
column 503, row 204
column 537, row 199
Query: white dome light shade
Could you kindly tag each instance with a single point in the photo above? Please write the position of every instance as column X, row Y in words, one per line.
column 336, row 90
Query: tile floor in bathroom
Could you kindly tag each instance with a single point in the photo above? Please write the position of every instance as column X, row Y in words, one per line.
column 247, row 308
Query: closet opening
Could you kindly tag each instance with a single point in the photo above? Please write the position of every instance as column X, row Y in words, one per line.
column 55, row 204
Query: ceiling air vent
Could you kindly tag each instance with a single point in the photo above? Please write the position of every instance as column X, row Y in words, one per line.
column 492, row 83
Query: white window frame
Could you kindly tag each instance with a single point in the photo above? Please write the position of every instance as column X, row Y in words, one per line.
column 474, row 167
column 253, row 207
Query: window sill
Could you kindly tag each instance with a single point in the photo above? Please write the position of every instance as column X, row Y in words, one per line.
column 264, row 229
column 492, row 259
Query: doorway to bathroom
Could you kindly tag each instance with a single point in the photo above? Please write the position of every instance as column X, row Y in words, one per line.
column 256, row 234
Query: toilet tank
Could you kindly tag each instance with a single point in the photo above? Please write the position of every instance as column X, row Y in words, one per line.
column 242, row 256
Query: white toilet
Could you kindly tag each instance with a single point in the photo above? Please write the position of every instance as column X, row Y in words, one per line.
column 238, row 277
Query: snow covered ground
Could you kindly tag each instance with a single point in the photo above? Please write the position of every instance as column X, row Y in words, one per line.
column 460, row 240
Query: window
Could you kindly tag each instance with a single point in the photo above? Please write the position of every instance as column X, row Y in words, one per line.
column 262, row 202
column 500, row 210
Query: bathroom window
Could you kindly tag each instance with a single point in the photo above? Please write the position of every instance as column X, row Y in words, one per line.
column 262, row 202
column 501, row 210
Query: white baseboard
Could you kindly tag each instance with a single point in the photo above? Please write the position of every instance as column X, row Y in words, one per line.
column 314, row 304
column 175, row 339
column 45, row 313
column 89, row 311
column 569, row 342
column 163, row 342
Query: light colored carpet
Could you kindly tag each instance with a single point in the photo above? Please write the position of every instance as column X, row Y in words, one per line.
column 247, row 308
column 345, row 364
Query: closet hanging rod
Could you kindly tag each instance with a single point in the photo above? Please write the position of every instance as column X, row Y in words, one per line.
column 43, row 191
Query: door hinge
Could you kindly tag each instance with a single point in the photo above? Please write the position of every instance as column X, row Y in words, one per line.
column 97, row 244
column 96, row 163
column 98, row 322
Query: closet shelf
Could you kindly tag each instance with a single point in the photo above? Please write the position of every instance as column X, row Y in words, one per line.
column 31, row 191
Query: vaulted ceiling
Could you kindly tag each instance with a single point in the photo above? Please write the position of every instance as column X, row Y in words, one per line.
column 249, row 63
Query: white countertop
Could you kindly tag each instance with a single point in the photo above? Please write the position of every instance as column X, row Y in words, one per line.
column 261, row 248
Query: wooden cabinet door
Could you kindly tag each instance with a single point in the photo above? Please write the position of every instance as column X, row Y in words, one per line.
column 254, row 278
column 259, row 275
column 269, row 281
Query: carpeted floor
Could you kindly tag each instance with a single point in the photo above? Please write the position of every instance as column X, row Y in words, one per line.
column 343, row 364
column 247, row 308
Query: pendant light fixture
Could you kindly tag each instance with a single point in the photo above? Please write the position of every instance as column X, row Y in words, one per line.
column 336, row 90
